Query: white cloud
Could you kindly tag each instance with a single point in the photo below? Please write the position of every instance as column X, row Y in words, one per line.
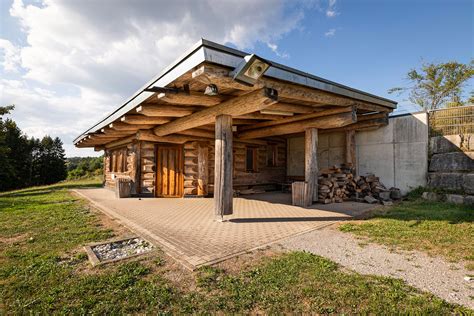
column 274, row 48
column 10, row 58
column 331, row 10
column 83, row 58
column 330, row 33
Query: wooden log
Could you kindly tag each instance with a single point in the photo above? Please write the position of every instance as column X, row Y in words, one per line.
column 324, row 122
column 297, row 118
column 120, row 142
column 259, row 116
column 120, row 126
column 288, row 107
column 250, row 102
column 148, row 135
column 223, row 191
column 220, row 76
column 203, row 170
column 190, row 98
column 350, row 148
column 311, row 166
column 165, row 110
column 142, row 119
column 198, row 133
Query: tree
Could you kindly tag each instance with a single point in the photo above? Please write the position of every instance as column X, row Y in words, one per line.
column 436, row 85
column 49, row 162
column 7, row 171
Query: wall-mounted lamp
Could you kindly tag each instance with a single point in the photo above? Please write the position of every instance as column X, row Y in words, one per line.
column 250, row 69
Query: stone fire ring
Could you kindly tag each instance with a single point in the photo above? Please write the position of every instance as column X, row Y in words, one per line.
column 94, row 259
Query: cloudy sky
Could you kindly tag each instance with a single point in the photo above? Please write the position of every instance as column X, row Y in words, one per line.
column 67, row 63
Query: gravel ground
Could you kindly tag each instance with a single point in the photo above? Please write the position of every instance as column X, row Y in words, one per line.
column 433, row 274
column 121, row 249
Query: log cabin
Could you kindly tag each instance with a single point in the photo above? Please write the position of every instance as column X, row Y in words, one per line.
column 218, row 120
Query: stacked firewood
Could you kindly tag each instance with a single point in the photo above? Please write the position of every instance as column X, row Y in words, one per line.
column 337, row 184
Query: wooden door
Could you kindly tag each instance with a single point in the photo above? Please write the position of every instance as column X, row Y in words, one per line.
column 169, row 171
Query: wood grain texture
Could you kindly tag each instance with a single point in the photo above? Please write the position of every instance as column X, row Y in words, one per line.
column 250, row 102
column 311, row 166
column 223, row 188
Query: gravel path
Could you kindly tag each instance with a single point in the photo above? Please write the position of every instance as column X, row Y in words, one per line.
column 426, row 273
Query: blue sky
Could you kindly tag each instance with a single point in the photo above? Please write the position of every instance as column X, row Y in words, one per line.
column 65, row 64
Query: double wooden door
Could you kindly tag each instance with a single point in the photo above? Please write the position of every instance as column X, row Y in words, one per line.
column 169, row 171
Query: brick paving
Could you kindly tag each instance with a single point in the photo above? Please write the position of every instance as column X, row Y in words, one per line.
column 186, row 228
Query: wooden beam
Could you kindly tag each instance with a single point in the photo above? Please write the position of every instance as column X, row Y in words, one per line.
column 259, row 116
column 288, row 107
column 311, row 166
column 148, row 135
column 165, row 110
column 191, row 98
column 223, row 188
column 203, row 167
column 250, row 102
column 367, row 124
column 323, row 122
column 142, row 119
column 220, row 76
column 120, row 142
column 120, row 126
column 351, row 148
column 198, row 133
column 112, row 132
column 296, row 118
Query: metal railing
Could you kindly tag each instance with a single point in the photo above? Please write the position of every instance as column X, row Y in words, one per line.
column 451, row 121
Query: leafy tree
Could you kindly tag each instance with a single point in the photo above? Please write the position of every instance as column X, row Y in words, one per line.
column 435, row 85
column 83, row 167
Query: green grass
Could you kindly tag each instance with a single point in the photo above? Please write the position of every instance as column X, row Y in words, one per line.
column 436, row 228
column 43, row 270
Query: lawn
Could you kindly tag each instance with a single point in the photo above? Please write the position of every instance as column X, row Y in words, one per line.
column 434, row 227
column 43, row 269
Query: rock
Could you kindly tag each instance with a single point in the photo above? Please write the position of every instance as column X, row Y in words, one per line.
column 431, row 196
column 385, row 196
column 395, row 193
column 456, row 161
column 451, row 181
column 445, row 144
column 371, row 200
column 455, row 198
column 387, row 203
column 469, row 200
column 468, row 183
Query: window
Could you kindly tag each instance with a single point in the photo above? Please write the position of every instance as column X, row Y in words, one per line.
column 272, row 153
column 118, row 160
column 251, row 158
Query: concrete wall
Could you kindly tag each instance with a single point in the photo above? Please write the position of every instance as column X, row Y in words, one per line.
column 397, row 153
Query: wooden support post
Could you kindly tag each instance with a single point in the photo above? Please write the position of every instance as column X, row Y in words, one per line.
column 223, row 192
column 351, row 149
column 203, row 160
column 311, row 165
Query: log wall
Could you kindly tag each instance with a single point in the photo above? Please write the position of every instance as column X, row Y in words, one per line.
column 198, row 167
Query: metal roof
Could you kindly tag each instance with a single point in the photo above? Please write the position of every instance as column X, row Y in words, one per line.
column 207, row 51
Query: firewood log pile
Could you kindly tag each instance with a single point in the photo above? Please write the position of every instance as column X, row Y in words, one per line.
column 338, row 184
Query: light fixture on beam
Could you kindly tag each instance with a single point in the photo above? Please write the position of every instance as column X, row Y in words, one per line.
column 273, row 112
column 211, row 90
column 250, row 70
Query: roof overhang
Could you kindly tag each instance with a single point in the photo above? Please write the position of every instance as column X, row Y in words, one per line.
column 207, row 51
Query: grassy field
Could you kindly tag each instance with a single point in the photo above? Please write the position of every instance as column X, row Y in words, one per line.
column 437, row 228
column 43, row 269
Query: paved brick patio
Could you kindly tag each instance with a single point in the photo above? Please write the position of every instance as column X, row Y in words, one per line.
column 186, row 228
